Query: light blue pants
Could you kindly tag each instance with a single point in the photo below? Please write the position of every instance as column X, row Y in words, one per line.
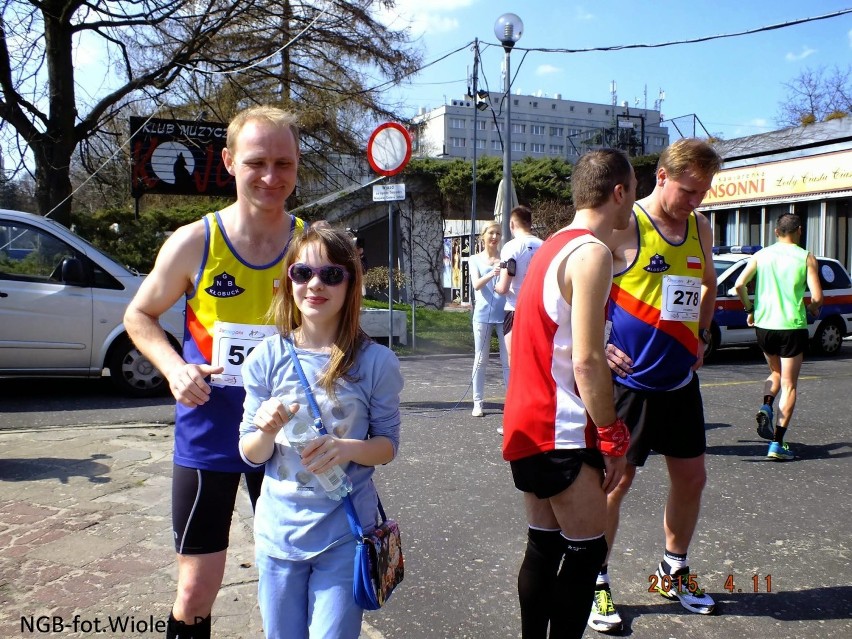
column 309, row 599
column 482, row 348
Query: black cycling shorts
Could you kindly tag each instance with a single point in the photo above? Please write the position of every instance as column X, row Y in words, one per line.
column 548, row 474
column 202, row 507
column 784, row 343
column 670, row 423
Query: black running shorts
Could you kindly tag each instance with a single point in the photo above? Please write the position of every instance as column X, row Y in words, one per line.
column 782, row 343
column 508, row 322
column 670, row 423
column 548, row 474
column 202, row 506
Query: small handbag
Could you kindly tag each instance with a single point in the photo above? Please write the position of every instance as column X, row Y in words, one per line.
column 379, row 564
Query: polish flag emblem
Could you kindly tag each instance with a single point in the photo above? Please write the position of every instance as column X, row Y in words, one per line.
column 693, row 262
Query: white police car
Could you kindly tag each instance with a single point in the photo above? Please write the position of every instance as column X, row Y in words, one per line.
column 729, row 326
column 62, row 304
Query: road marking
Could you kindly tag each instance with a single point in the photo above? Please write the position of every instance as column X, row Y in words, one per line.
column 368, row 632
column 761, row 381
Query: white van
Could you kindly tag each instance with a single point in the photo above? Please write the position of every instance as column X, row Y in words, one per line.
column 62, row 304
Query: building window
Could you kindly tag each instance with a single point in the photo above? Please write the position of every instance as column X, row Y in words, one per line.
column 480, row 144
column 514, row 102
column 574, row 132
column 519, row 128
column 535, row 105
column 456, row 123
column 571, row 108
column 519, row 146
column 536, row 148
column 495, row 126
column 590, row 109
column 480, row 124
column 457, row 142
column 553, row 106
column 496, row 145
column 537, row 129
column 556, row 131
column 556, row 149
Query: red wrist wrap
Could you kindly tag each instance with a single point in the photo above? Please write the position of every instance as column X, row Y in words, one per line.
column 614, row 438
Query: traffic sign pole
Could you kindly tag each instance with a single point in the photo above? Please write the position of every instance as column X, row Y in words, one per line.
column 388, row 151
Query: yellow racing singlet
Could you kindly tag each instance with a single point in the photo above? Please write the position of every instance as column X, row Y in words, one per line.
column 225, row 318
column 654, row 305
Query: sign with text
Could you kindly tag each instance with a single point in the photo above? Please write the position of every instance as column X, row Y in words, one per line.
column 178, row 157
column 816, row 174
column 388, row 192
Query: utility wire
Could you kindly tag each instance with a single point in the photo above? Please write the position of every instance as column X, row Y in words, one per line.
column 771, row 27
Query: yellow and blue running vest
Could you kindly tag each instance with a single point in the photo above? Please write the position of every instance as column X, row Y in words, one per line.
column 654, row 304
column 227, row 289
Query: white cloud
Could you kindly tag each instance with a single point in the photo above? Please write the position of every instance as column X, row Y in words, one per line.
column 580, row 13
column 547, row 69
column 437, row 19
column 805, row 53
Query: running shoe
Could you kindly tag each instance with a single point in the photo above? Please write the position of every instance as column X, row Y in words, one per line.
column 764, row 422
column 604, row 617
column 780, row 452
column 477, row 409
column 683, row 587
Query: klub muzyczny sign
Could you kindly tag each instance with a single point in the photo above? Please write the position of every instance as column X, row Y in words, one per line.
column 178, row 157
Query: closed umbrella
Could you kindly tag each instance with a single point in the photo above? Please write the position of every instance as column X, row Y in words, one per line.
column 499, row 203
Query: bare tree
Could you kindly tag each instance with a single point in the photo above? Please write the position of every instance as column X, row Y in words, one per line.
column 219, row 48
column 816, row 95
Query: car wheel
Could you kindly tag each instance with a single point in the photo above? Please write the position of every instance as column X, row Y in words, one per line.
column 711, row 348
column 828, row 337
column 132, row 373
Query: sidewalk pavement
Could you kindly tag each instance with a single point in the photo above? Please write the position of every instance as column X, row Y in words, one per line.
column 89, row 551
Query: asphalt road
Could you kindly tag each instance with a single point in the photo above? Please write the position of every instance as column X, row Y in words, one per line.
column 773, row 544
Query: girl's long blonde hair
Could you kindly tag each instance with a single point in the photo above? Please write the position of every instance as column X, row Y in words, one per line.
column 339, row 249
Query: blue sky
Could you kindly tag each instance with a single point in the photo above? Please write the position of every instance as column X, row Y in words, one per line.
column 734, row 85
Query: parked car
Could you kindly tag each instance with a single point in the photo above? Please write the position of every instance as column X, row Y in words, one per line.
column 62, row 304
column 729, row 326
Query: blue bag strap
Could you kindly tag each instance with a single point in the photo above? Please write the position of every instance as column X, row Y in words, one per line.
column 351, row 513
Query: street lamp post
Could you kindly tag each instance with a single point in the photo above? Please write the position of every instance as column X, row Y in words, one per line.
column 508, row 30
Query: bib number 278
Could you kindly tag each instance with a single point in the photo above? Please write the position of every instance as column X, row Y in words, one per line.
column 681, row 298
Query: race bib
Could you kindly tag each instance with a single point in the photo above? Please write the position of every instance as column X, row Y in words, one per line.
column 232, row 343
column 681, row 298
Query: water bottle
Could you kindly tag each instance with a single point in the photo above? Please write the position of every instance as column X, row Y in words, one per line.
column 299, row 431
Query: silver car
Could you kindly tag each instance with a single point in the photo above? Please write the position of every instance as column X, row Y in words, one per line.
column 62, row 303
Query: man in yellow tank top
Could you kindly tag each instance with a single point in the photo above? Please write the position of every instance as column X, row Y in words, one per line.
column 226, row 266
column 660, row 309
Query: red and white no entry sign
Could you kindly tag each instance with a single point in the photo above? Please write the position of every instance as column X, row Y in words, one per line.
column 389, row 149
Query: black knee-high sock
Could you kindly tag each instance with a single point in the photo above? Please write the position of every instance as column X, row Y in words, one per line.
column 537, row 580
column 180, row 630
column 575, row 586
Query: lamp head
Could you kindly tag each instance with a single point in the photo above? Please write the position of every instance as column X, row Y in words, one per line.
column 509, row 28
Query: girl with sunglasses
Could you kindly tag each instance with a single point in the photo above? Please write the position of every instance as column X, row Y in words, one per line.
column 304, row 547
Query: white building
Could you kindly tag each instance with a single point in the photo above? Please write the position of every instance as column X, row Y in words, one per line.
column 541, row 127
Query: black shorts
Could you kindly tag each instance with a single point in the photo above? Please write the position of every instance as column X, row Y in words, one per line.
column 548, row 474
column 670, row 423
column 788, row 343
column 202, row 506
column 508, row 321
